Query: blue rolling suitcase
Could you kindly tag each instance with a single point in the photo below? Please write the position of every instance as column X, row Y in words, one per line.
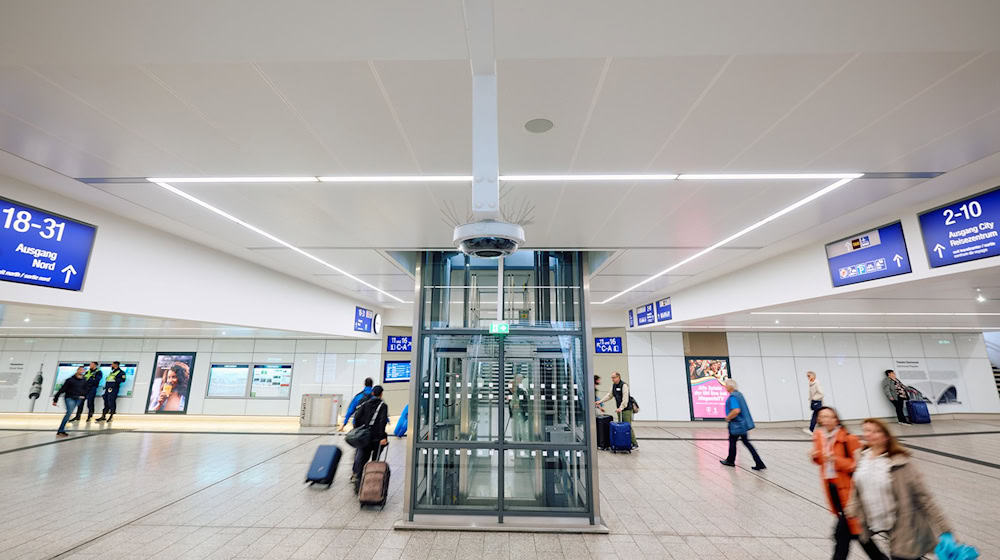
column 324, row 465
column 917, row 411
column 621, row 436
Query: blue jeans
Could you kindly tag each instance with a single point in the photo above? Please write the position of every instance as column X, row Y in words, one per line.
column 815, row 409
column 71, row 405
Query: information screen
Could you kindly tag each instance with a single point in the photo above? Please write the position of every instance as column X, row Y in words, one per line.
column 271, row 381
column 879, row 253
column 964, row 230
column 608, row 345
column 396, row 372
column 64, row 371
column 399, row 344
column 43, row 249
column 363, row 319
column 228, row 380
column 707, row 390
column 125, row 389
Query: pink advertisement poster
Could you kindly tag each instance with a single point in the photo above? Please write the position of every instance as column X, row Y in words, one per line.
column 707, row 392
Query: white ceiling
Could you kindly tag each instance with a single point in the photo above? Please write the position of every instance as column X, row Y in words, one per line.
column 47, row 321
column 313, row 87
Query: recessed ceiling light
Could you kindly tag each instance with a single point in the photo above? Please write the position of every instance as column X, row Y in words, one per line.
column 399, row 179
column 981, row 298
column 27, row 319
column 776, row 322
column 538, row 126
column 592, row 177
column 232, row 179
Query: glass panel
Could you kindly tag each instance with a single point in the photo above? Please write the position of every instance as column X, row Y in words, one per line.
column 459, row 388
column 541, row 289
column 545, row 479
column 457, row 478
column 544, row 389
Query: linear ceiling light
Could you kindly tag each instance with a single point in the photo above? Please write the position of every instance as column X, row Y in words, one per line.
column 878, row 313
column 232, row 179
column 751, row 176
column 400, row 179
column 263, row 233
column 790, row 208
column 592, row 177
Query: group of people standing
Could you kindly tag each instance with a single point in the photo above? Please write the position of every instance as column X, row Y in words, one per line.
column 81, row 387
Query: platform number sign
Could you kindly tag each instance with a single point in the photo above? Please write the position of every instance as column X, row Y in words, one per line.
column 964, row 230
column 399, row 344
column 41, row 248
column 608, row 345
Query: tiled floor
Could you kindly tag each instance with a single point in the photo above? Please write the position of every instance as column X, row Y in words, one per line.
column 127, row 495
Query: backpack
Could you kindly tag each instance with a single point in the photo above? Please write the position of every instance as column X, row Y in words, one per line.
column 634, row 404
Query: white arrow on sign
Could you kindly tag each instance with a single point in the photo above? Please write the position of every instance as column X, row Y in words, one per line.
column 898, row 259
column 938, row 249
column 70, row 271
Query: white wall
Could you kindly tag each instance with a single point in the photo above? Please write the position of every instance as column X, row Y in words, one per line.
column 139, row 270
column 319, row 366
column 770, row 368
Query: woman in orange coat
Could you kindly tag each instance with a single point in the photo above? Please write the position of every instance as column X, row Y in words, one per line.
column 834, row 450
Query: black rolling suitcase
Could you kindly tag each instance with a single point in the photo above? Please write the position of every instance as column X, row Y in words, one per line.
column 603, row 431
column 324, row 465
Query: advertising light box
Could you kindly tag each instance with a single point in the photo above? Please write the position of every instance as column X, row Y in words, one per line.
column 399, row 344
column 396, row 372
column 964, row 230
column 879, row 253
column 64, row 371
column 271, row 381
column 41, row 248
column 170, row 388
column 228, row 380
column 706, row 387
column 608, row 345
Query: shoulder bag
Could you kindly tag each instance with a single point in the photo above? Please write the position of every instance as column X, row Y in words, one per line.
column 361, row 436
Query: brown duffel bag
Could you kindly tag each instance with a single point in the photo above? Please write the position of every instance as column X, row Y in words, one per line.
column 374, row 488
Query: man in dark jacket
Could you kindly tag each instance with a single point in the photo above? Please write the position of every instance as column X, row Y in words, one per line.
column 75, row 388
column 93, row 378
column 375, row 414
column 111, row 386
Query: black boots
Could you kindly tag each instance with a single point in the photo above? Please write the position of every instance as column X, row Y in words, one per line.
column 101, row 419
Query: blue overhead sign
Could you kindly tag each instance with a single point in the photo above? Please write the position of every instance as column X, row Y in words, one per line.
column 631, row 318
column 645, row 315
column 363, row 319
column 43, row 249
column 879, row 253
column 965, row 230
column 663, row 312
column 608, row 345
column 399, row 344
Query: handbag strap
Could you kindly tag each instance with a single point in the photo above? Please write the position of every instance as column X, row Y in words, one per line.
column 375, row 414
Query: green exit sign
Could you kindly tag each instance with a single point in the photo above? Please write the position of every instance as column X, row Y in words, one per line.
column 499, row 327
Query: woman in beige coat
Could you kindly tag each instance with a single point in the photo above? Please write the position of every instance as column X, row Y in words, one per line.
column 889, row 496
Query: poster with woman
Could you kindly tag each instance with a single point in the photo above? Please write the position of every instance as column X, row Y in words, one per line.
column 707, row 389
column 171, row 383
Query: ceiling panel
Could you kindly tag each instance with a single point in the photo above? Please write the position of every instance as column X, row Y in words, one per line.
column 616, row 283
column 870, row 86
column 650, row 261
column 751, row 94
column 558, row 90
column 972, row 91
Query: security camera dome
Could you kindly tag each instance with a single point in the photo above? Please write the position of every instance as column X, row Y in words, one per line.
column 488, row 238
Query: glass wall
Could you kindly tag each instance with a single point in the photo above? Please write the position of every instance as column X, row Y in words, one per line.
column 501, row 424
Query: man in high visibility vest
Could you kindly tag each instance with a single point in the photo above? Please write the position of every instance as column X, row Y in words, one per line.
column 111, row 386
column 92, row 377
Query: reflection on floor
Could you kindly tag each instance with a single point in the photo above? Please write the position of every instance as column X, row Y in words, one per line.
column 124, row 495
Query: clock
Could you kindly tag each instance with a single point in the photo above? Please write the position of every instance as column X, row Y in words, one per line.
column 377, row 324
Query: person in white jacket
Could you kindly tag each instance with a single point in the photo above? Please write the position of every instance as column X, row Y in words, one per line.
column 815, row 399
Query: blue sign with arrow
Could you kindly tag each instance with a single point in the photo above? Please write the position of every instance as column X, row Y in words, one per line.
column 663, row 311
column 399, row 344
column 964, row 230
column 608, row 345
column 645, row 315
column 879, row 253
column 43, row 249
